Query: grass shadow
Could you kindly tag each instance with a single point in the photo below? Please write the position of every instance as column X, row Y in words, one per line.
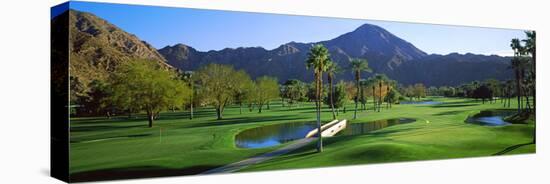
column 449, row 113
column 137, row 172
column 512, row 148
column 453, row 105
column 102, row 127
column 244, row 120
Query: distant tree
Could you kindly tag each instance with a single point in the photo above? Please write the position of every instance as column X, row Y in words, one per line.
column 311, row 92
column 97, row 99
column 392, row 97
column 218, row 84
column 381, row 80
column 494, row 86
column 145, row 85
column 433, row 91
column 340, row 95
column 318, row 60
column 357, row 66
column 294, row 90
column 419, row 90
column 242, row 89
column 351, row 92
column 267, row 89
column 483, row 92
column 364, row 93
column 409, row 91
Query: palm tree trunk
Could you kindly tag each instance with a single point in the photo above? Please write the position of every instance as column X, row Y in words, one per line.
column 356, row 94
column 374, row 97
column 518, row 93
column 331, row 97
column 318, row 96
column 379, row 96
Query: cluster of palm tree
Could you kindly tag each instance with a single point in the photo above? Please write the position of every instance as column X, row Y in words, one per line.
column 357, row 66
column 524, row 65
column 320, row 62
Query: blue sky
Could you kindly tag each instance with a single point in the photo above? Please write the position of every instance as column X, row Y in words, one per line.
column 214, row 30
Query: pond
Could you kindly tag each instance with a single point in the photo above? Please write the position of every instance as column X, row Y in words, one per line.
column 490, row 118
column 363, row 128
column 272, row 135
column 429, row 102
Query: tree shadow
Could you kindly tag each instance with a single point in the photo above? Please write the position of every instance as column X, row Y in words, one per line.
column 452, row 105
column 449, row 113
column 102, row 127
column 137, row 172
column 73, row 140
column 512, row 148
column 244, row 120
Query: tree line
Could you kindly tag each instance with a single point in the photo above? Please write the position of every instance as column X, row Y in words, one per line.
column 146, row 86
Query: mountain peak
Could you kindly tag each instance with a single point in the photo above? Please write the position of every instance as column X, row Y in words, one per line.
column 372, row 40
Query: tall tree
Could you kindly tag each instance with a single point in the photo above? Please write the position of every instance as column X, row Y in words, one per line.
column 145, row 85
column 380, row 80
column 357, row 66
column 332, row 70
column 530, row 48
column 318, row 60
column 517, row 65
column 217, row 85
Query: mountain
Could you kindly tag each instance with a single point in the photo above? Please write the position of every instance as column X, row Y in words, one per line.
column 386, row 53
column 97, row 47
column 384, row 50
column 453, row 69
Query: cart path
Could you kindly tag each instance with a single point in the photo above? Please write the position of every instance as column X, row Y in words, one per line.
column 260, row 158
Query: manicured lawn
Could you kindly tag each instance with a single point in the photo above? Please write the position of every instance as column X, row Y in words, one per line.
column 126, row 148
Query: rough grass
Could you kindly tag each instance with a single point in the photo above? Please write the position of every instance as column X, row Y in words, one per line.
column 125, row 148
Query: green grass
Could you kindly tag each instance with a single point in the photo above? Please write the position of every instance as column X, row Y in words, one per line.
column 124, row 148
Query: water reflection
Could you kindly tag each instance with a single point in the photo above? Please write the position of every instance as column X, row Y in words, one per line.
column 490, row 118
column 272, row 135
column 363, row 128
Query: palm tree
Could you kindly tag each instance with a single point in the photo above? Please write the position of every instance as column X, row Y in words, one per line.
column 389, row 87
column 332, row 69
column 372, row 83
column 530, row 47
column 517, row 66
column 380, row 79
column 357, row 66
column 319, row 60
column 509, row 88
